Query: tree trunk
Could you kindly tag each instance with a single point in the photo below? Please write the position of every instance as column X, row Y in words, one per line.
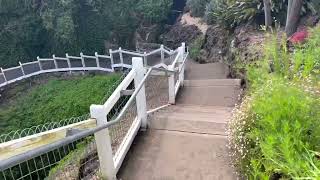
column 267, row 13
column 294, row 9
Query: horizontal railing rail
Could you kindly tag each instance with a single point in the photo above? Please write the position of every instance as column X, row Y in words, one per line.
column 95, row 62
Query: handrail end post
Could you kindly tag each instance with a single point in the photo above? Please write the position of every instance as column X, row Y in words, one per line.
column 103, row 141
column 137, row 65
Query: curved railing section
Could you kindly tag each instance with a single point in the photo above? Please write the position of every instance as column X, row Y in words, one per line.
column 119, row 58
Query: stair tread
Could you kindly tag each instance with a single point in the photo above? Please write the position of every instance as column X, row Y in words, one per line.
column 212, row 82
column 202, row 127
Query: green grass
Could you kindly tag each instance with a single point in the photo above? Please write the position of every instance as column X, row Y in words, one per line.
column 55, row 100
column 275, row 132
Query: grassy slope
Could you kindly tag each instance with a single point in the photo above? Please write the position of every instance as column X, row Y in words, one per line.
column 54, row 101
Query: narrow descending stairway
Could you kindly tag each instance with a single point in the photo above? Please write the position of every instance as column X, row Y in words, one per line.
column 188, row 140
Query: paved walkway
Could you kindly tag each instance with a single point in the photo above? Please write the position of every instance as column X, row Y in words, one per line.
column 187, row 141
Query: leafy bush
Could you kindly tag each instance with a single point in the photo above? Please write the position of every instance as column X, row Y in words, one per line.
column 154, row 11
column 197, row 7
column 275, row 132
column 231, row 13
column 54, row 101
column 196, row 47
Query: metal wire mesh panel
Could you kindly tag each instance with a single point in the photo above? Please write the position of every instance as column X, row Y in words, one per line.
column 157, row 93
column 38, row 167
column 2, row 80
column 31, row 68
column 118, row 131
column 40, row 128
column 90, row 62
column 62, row 63
column 82, row 163
column 105, row 63
column 47, row 65
column 75, row 63
column 13, row 73
column 116, row 58
column 154, row 59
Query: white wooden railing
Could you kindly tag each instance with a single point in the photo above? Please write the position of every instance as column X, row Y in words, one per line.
column 27, row 148
column 106, row 63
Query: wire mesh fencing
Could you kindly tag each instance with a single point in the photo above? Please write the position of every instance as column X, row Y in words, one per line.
column 157, row 93
column 40, row 167
column 20, row 133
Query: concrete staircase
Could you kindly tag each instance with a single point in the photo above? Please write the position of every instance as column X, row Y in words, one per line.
column 188, row 140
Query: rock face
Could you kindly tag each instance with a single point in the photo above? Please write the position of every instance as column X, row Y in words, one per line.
column 180, row 33
column 216, row 44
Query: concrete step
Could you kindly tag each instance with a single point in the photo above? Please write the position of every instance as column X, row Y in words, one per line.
column 212, row 82
column 209, row 95
column 183, row 125
column 170, row 155
column 181, row 108
column 195, row 71
column 205, row 120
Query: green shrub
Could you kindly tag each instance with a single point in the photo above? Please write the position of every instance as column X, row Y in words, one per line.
column 275, row 132
column 54, row 101
column 197, row 7
column 231, row 13
column 154, row 11
column 196, row 47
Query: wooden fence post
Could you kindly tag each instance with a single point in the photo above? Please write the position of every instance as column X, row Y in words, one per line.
column 172, row 98
column 121, row 56
column 22, row 70
column 103, row 142
column 137, row 65
column 68, row 61
column 182, row 50
column 55, row 61
column 145, row 60
column 40, row 66
column 97, row 59
column 111, row 58
column 162, row 53
column 82, row 60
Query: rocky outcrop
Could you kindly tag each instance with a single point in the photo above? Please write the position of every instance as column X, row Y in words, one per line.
column 180, row 33
column 216, row 45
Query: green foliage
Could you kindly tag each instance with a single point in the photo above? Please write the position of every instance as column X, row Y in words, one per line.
column 230, row 13
column 197, row 7
column 154, row 11
column 39, row 28
column 275, row 132
column 196, row 47
column 54, row 101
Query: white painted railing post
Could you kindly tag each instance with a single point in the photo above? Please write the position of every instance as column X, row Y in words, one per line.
column 145, row 60
column 172, row 98
column 121, row 56
column 97, row 59
column 137, row 65
column 22, row 70
column 68, row 61
column 103, row 142
column 40, row 66
column 181, row 65
column 55, row 61
column 162, row 53
column 4, row 76
column 82, row 60
column 111, row 58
